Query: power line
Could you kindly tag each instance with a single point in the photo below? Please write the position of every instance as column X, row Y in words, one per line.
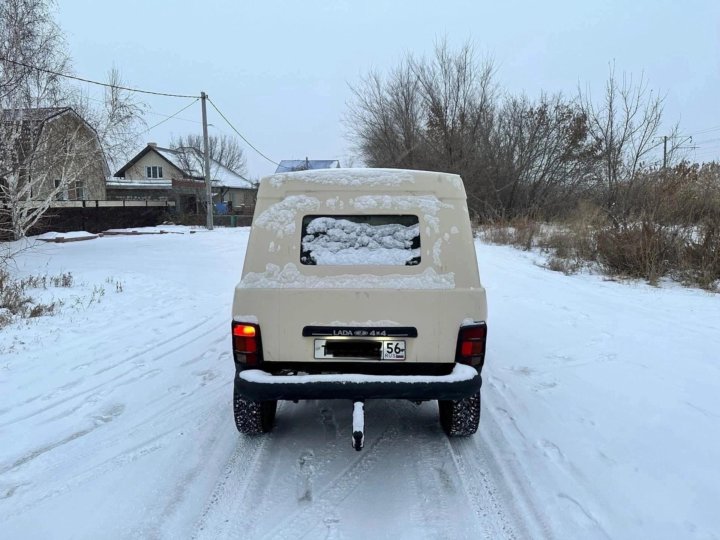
column 149, row 111
column 107, row 85
column 172, row 116
column 240, row 134
column 708, row 130
column 708, row 141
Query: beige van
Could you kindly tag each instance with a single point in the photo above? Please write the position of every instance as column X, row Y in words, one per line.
column 359, row 284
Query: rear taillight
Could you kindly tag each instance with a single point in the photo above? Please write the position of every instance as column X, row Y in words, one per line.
column 246, row 343
column 471, row 344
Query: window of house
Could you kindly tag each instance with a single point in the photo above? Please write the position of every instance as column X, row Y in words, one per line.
column 154, row 171
column 80, row 191
column 360, row 240
column 61, row 195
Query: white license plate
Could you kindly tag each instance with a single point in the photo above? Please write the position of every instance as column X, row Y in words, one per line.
column 370, row 349
column 393, row 350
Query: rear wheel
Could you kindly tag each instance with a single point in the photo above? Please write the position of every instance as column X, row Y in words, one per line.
column 253, row 417
column 460, row 418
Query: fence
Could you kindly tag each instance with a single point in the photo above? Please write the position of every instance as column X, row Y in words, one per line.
column 97, row 216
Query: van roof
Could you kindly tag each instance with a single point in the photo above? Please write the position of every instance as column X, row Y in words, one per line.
column 443, row 185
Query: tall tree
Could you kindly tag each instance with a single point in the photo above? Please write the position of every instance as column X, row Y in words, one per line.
column 33, row 169
column 624, row 126
column 29, row 36
column 223, row 149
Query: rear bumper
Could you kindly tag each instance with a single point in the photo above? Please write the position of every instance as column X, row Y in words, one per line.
column 258, row 385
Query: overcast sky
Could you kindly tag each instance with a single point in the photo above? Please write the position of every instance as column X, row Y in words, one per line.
column 280, row 70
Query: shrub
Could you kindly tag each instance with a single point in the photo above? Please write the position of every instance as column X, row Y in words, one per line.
column 700, row 261
column 520, row 233
column 645, row 250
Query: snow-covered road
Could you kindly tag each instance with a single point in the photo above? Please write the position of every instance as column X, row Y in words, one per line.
column 601, row 414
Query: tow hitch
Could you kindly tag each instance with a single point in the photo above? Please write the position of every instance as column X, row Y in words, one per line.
column 358, row 434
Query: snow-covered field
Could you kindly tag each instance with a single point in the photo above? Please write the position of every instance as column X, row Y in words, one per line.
column 601, row 413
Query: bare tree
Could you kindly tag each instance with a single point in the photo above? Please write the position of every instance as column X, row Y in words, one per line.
column 624, row 127
column 52, row 155
column 48, row 131
column 459, row 94
column 540, row 153
column 432, row 114
column 118, row 120
column 224, row 150
column 386, row 119
column 29, row 36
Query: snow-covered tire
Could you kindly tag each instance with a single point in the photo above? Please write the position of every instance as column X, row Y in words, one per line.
column 460, row 418
column 253, row 417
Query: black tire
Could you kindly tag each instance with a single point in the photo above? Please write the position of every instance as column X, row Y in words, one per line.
column 460, row 418
column 253, row 417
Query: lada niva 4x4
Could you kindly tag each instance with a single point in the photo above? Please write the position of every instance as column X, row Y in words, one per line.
column 359, row 284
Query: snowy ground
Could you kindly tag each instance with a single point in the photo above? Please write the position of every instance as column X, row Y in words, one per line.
column 601, row 414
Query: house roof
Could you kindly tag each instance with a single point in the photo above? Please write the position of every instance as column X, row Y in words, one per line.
column 167, row 154
column 40, row 116
column 190, row 162
column 291, row 165
column 148, row 183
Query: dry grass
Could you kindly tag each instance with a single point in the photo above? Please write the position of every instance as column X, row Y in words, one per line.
column 16, row 302
column 521, row 233
column 665, row 224
column 641, row 250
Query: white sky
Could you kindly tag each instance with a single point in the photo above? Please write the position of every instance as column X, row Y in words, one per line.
column 280, row 70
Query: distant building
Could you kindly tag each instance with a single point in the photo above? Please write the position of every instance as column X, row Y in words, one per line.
column 177, row 174
column 292, row 165
column 52, row 151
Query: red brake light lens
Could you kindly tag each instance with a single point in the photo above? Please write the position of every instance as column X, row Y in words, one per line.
column 244, row 330
column 471, row 344
column 246, row 338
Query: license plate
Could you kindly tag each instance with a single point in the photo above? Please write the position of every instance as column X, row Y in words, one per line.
column 360, row 349
column 393, row 350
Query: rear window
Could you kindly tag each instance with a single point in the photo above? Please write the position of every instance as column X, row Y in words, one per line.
column 361, row 240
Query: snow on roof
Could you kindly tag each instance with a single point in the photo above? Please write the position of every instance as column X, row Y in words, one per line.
column 175, row 157
column 291, row 165
column 145, row 183
column 190, row 162
column 444, row 185
column 224, row 177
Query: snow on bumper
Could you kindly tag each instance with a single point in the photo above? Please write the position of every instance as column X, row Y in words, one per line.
column 258, row 385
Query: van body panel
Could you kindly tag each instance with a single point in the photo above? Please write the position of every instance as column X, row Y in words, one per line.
column 436, row 296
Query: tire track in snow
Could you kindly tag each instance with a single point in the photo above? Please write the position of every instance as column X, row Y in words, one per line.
column 283, row 453
column 491, row 447
column 150, row 436
column 483, row 494
column 177, row 411
column 233, row 486
column 185, row 343
column 432, row 483
column 441, row 477
column 301, row 522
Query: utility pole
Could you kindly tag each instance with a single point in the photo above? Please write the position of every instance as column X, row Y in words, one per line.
column 208, row 187
column 665, row 152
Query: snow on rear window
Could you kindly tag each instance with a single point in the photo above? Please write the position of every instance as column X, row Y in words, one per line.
column 361, row 240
